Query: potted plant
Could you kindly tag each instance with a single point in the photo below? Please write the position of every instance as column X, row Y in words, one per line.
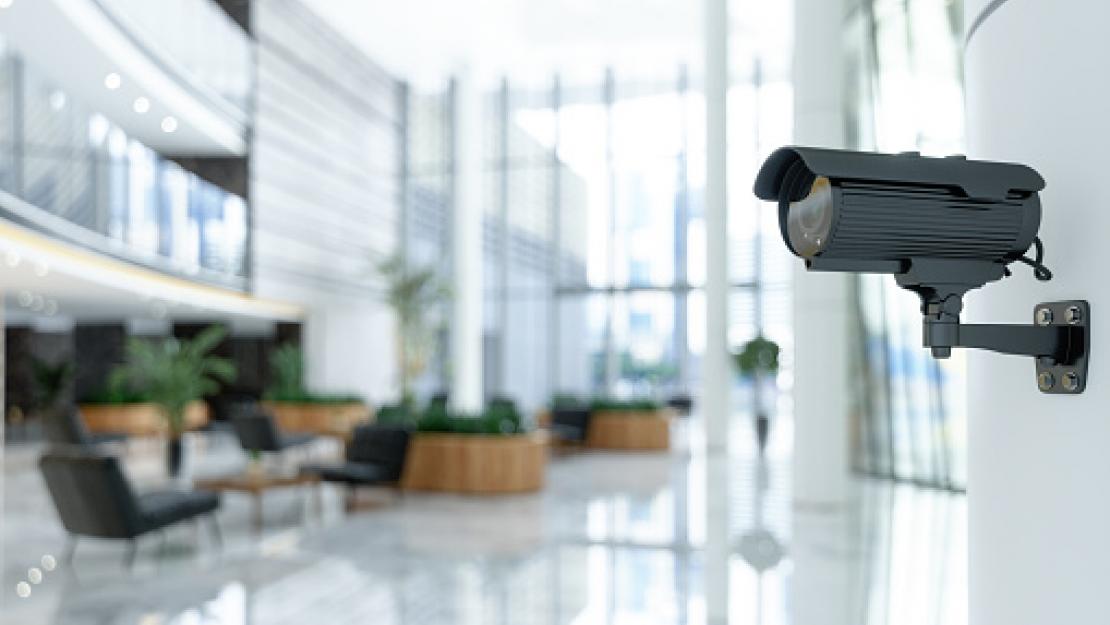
column 297, row 409
column 632, row 424
column 414, row 294
column 490, row 452
column 171, row 373
column 51, row 381
column 758, row 361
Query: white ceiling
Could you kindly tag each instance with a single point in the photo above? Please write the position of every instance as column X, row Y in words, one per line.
column 74, row 45
column 424, row 40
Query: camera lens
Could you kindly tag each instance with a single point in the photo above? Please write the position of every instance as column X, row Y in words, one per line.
column 809, row 220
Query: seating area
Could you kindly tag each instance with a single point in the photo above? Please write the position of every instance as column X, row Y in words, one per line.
column 94, row 499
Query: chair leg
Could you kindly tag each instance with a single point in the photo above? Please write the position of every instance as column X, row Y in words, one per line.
column 162, row 545
column 214, row 526
column 71, row 548
column 132, row 550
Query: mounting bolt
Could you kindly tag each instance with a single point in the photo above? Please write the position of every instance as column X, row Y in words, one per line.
column 1070, row 381
column 1045, row 381
column 1044, row 316
column 1073, row 315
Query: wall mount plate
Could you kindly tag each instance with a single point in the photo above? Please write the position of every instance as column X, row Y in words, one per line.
column 1069, row 378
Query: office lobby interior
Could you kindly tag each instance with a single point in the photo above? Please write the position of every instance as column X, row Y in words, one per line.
column 431, row 313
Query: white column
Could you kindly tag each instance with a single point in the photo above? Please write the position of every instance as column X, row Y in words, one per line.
column 466, row 329
column 821, row 300
column 822, row 347
column 1039, row 515
column 716, row 372
column 715, row 365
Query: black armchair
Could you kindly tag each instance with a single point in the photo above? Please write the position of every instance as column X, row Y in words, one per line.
column 570, row 424
column 66, row 427
column 257, row 432
column 94, row 498
column 375, row 457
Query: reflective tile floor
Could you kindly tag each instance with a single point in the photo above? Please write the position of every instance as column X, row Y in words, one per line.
column 613, row 539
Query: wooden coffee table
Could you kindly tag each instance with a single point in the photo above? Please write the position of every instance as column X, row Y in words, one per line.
column 255, row 485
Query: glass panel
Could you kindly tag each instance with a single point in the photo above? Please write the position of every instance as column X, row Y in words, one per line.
column 75, row 165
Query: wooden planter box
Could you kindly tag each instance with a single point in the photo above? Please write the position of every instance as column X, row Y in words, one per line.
column 621, row 429
column 320, row 419
column 475, row 463
column 139, row 419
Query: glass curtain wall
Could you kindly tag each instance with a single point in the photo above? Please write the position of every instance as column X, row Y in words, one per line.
column 594, row 229
column 905, row 90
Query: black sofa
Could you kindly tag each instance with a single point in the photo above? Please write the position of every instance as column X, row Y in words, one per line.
column 375, row 456
column 257, row 432
column 94, row 498
column 65, row 427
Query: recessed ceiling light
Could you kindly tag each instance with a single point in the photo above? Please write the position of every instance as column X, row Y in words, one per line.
column 57, row 100
column 112, row 81
column 51, row 310
column 141, row 105
column 25, row 298
column 5, row 4
column 12, row 258
column 169, row 124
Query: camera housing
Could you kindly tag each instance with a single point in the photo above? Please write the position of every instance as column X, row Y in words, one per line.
column 942, row 227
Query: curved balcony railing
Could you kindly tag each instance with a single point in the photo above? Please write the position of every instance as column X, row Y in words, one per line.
column 193, row 40
column 136, row 206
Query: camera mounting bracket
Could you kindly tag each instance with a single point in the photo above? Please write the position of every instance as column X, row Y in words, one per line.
column 1059, row 339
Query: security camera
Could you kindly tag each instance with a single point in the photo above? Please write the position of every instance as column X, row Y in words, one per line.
column 942, row 227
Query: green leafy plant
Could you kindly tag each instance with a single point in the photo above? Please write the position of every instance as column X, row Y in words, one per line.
column 500, row 417
column 609, row 404
column 172, row 373
column 287, row 370
column 51, row 380
column 414, row 294
column 395, row 414
column 759, row 356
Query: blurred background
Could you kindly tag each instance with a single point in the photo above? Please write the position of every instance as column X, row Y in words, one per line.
column 269, row 264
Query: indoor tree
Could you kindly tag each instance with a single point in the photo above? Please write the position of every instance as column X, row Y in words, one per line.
column 758, row 359
column 414, row 294
column 172, row 373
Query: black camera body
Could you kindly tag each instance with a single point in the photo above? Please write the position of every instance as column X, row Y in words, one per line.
column 877, row 213
column 941, row 226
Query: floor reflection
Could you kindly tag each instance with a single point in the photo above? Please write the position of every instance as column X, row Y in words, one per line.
column 615, row 539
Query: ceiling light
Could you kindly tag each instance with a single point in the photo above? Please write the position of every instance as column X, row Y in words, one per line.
column 112, row 81
column 38, row 303
column 25, row 298
column 12, row 258
column 57, row 100
column 169, row 124
column 141, row 105
column 41, row 269
column 22, row 589
column 50, row 309
column 5, row 4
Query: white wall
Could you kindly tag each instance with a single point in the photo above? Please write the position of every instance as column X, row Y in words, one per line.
column 1039, row 514
column 325, row 194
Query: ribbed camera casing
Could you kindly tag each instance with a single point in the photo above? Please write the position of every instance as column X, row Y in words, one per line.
column 876, row 221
